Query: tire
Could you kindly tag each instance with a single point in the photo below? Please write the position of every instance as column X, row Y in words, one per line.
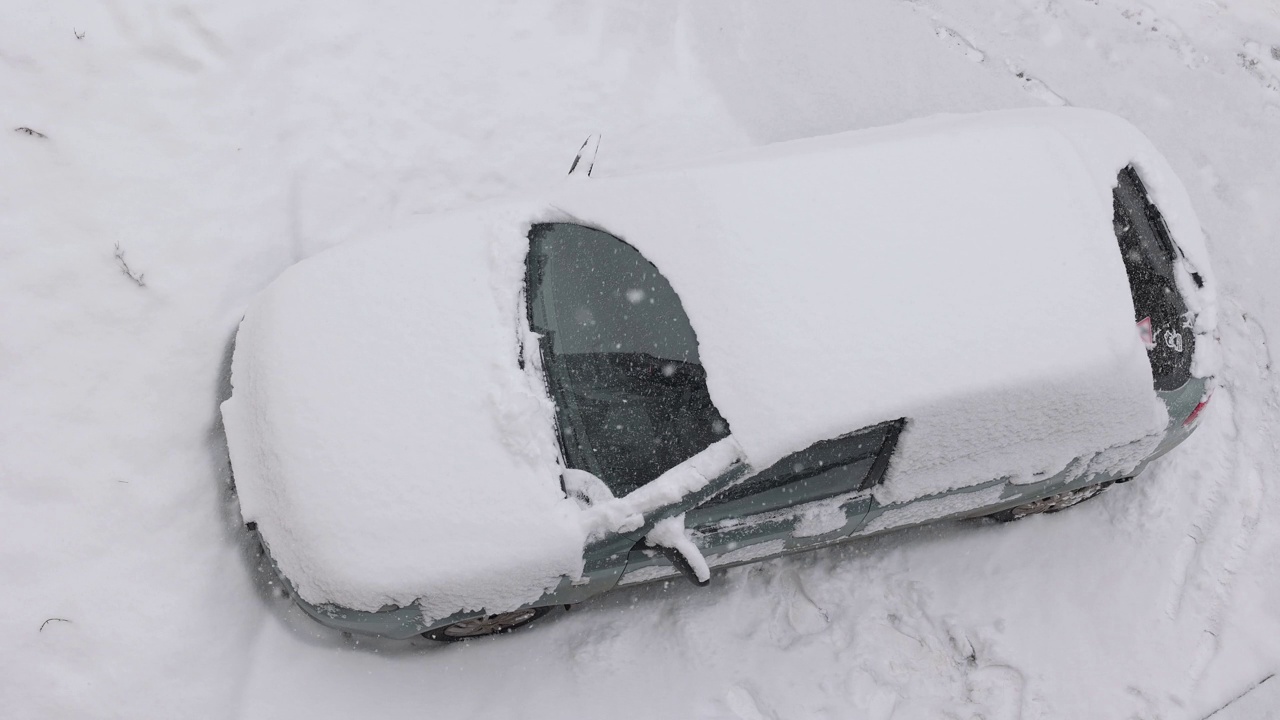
column 486, row 626
column 1053, row 503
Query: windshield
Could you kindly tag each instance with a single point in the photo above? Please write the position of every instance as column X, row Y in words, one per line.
column 620, row 356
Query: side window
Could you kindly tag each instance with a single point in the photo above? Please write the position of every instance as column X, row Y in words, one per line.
column 849, row 463
column 620, row 355
column 1149, row 255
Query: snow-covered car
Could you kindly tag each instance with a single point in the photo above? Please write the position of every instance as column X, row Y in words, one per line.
column 452, row 429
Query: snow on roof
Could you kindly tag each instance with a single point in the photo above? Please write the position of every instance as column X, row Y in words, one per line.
column 960, row 272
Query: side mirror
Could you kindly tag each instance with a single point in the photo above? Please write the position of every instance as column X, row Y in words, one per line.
column 669, row 538
column 655, row 511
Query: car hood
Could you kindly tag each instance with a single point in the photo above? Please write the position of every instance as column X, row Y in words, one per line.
column 388, row 436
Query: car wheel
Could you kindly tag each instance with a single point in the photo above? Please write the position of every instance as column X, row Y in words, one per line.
column 1053, row 503
column 483, row 626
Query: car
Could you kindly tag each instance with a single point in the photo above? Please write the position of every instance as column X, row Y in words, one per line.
column 450, row 430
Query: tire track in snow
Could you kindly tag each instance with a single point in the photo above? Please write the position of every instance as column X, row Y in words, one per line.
column 1232, row 492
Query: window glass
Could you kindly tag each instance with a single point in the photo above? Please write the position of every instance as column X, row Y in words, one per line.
column 620, row 355
column 1148, row 255
column 852, row 462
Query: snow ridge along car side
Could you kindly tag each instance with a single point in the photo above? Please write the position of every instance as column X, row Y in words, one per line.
column 451, row 429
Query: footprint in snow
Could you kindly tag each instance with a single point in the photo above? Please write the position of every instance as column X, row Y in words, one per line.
column 1036, row 88
column 803, row 612
column 1168, row 32
column 744, row 704
column 1255, row 61
column 956, row 40
column 998, row 689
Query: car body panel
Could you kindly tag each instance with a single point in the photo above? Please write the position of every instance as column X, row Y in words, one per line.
column 775, row 536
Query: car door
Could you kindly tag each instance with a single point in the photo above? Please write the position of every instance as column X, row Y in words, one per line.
column 813, row 497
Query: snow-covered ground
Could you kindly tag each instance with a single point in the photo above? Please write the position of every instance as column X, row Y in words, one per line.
column 209, row 145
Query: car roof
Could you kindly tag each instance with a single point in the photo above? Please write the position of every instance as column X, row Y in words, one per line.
column 961, row 272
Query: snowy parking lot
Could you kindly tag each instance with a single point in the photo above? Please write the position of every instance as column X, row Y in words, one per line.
column 168, row 160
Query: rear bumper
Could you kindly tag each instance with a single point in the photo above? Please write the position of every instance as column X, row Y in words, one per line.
column 1181, row 404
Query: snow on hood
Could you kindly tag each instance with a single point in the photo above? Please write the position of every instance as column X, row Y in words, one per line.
column 384, row 438
column 960, row 271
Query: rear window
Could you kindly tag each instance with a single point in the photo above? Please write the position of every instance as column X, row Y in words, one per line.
column 1149, row 255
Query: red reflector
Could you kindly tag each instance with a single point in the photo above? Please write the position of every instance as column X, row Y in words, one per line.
column 1145, row 332
column 1196, row 413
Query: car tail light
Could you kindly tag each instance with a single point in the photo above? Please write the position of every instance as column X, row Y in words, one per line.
column 1196, row 413
column 1146, row 333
